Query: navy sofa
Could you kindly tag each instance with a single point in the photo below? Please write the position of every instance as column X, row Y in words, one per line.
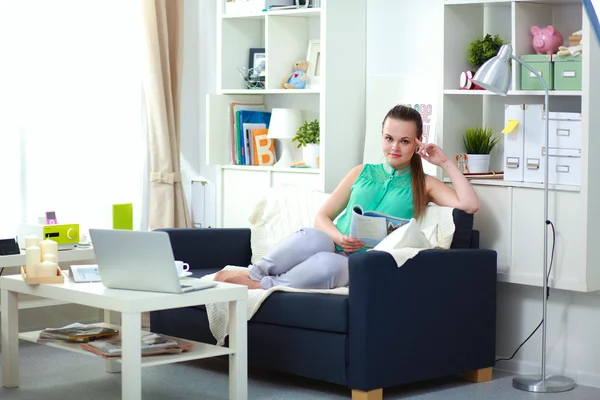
column 433, row 317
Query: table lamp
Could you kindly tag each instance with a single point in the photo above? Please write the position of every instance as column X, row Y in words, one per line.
column 283, row 126
column 495, row 76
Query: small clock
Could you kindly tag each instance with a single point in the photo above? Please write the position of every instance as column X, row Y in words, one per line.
column 465, row 80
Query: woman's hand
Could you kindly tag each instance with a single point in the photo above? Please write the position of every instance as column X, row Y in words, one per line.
column 432, row 153
column 349, row 244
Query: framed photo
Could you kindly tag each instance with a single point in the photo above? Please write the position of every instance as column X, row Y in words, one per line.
column 313, row 75
column 256, row 64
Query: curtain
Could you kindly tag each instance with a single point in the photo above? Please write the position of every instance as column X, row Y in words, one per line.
column 71, row 135
column 163, row 53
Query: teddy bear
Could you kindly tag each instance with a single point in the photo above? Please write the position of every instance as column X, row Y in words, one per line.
column 297, row 79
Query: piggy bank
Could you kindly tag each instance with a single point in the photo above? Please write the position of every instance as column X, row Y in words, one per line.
column 546, row 40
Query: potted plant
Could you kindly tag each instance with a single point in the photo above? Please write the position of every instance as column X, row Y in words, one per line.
column 479, row 143
column 482, row 50
column 308, row 137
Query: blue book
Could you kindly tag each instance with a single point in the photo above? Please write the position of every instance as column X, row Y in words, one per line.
column 592, row 8
column 250, row 117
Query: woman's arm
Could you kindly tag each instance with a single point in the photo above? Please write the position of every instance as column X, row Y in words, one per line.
column 333, row 206
column 463, row 195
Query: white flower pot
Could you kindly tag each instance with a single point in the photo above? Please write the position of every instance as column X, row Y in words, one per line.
column 478, row 162
column 310, row 155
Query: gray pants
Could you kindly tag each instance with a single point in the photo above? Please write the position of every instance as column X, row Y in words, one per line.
column 306, row 259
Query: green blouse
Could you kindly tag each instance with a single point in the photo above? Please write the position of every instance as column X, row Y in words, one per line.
column 380, row 187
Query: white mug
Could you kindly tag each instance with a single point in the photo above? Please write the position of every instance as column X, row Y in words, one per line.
column 181, row 267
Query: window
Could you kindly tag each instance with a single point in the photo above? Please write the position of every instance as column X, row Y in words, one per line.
column 73, row 141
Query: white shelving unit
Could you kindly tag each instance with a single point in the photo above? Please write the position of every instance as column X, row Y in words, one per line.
column 338, row 103
column 511, row 214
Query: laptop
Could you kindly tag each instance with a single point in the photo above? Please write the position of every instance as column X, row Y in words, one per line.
column 137, row 260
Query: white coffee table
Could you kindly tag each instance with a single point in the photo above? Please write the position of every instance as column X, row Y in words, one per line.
column 131, row 304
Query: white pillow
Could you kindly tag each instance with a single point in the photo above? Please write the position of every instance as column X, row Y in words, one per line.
column 282, row 211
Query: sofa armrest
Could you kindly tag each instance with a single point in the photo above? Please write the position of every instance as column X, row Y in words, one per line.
column 434, row 316
column 210, row 248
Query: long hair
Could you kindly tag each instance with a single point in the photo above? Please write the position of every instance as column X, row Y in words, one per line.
column 405, row 113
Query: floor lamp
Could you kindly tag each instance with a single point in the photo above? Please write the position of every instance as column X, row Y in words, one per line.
column 495, row 76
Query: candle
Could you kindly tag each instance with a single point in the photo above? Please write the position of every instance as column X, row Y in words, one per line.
column 49, row 247
column 32, row 241
column 32, row 260
column 46, row 269
column 50, row 257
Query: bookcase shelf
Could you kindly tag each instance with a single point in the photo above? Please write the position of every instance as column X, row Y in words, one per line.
column 510, row 218
column 340, row 28
column 200, row 350
column 570, row 93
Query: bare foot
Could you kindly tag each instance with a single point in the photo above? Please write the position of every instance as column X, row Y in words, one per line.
column 223, row 275
column 244, row 280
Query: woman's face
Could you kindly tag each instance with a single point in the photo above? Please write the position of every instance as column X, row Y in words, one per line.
column 399, row 141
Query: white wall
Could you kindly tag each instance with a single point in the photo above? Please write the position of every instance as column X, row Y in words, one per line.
column 398, row 34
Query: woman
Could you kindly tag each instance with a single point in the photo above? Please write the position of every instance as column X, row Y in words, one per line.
column 317, row 258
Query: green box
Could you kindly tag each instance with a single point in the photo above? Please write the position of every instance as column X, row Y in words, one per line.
column 122, row 216
column 567, row 72
column 542, row 64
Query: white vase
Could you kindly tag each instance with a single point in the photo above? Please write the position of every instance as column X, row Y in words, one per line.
column 310, row 155
column 478, row 162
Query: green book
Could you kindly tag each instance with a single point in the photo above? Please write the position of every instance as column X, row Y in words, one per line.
column 123, row 216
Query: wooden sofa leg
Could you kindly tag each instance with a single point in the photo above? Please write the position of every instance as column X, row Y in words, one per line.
column 479, row 375
column 376, row 394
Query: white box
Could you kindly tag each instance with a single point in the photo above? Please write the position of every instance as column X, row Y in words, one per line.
column 534, row 136
column 245, row 7
column 565, row 130
column 513, row 143
column 564, row 167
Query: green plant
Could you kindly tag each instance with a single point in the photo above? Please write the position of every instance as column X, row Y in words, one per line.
column 480, row 140
column 308, row 133
column 482, row 50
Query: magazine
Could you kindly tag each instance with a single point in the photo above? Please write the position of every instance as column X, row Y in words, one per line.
column 372, row 226
column 152, row 344
column 76, row 333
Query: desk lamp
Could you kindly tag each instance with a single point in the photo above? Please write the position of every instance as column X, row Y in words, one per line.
column 495, row 76
column 283, row 126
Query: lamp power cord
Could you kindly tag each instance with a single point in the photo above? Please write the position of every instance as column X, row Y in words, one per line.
column 548, row 222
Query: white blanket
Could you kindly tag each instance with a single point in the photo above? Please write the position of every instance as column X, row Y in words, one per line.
column 434, row 230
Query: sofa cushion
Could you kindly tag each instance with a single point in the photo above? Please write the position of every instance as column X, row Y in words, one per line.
column 318, row 311
column 283, row 210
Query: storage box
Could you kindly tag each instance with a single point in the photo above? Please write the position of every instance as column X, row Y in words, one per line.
column 534, row 134
column 567, row 72
column 542, row 64
column 513, row 143
column 564, row 130
column 564, row 167
column 244, row 7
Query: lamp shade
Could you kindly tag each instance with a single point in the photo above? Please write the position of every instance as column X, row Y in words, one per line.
column 284, row 123
column 495, row 74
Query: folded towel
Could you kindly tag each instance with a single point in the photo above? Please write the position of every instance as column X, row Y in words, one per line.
column 218, row 313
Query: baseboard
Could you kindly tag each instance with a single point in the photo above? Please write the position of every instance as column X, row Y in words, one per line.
column 525, row 367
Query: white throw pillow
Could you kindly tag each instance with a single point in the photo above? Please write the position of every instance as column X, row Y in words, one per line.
column 282, row 211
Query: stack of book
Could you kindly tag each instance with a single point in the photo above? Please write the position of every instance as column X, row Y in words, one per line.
column 248, row 129
column 152, row 344
column 76, row 333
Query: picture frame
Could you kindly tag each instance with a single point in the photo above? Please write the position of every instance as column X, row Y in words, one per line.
column 256, row 57
column 313, row 56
